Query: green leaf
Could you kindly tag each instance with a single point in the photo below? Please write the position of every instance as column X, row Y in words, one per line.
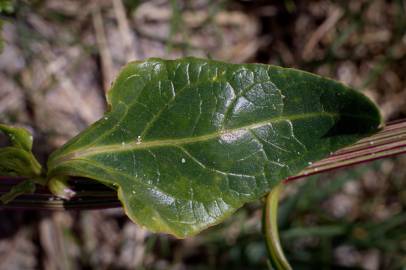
column 17, row 159
column 17, row 162
column 19, row 137
column 6, row 6
column 187, row 142
column 24, row 187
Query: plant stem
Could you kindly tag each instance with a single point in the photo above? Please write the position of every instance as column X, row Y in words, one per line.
column 59, row 187
column 270, row 228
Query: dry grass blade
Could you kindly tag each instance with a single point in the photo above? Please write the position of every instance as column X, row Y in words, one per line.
column 90, row 195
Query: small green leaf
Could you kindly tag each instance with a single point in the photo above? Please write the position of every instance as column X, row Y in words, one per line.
column 17, row 159
column 187, row 142
column 6, row 6
column 19, row 137
column 24, row 187
column 17, row 162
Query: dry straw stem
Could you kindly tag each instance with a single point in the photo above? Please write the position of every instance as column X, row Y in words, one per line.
column 105, row 54
column 125, row 32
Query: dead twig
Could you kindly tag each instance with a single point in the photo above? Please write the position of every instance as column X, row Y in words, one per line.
column 320, row 32
column 105, row 54
column 126, row 36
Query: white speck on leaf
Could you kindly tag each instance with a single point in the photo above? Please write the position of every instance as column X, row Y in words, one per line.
column 139, row 140
column 183, row 160
column 230, row 137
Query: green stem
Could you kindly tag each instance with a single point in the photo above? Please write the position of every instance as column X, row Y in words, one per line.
column 59, row 187
column 270, row 227
column 24, row 187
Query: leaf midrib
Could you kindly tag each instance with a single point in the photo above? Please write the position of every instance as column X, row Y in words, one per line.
column 95, row 150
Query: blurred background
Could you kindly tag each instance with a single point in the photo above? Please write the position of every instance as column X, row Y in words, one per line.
column 60, row 57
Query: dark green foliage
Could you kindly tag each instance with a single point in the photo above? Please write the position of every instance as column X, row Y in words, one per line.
column 187, row 142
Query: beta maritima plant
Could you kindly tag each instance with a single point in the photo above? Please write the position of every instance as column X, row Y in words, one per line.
column 187, row 142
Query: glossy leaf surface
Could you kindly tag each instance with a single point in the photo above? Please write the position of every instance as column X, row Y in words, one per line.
column 17, row 159
column 187, row 142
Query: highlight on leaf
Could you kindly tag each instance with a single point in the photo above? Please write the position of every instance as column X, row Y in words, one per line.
column 187, row 142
